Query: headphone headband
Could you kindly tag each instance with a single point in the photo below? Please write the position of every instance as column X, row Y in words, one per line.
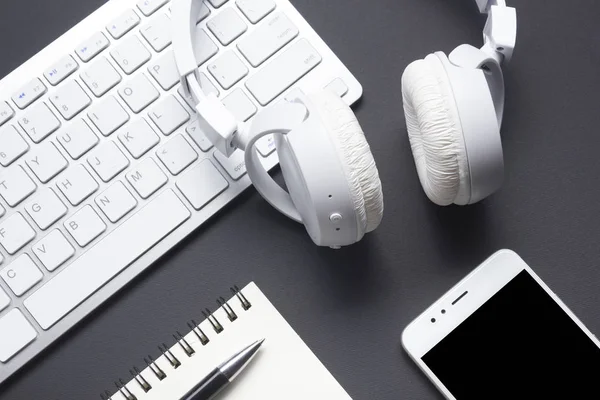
column 500, row 32
column 216, row 121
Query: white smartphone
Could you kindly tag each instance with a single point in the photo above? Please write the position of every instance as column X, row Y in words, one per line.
column 501, row 333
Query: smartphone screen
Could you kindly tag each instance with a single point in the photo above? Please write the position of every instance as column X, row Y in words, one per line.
column 519, row 345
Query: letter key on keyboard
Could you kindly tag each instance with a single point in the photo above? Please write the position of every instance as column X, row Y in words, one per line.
column 169, row 115
column 15, row 233
column 77, row 138
column 85, row 226
column 53, row 250
column 108, row 115
column 46, row 161
column 76, row 184
column 21, row 275
column 116, row 202
column 15, row 185
column 146, row 178
column 108, row 161
column 138, row 138
column 46, row 208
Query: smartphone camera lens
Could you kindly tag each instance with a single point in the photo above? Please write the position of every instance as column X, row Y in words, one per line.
column 433, row 320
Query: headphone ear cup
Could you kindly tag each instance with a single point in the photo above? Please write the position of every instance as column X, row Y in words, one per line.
column 435, row 132
column 355, row 157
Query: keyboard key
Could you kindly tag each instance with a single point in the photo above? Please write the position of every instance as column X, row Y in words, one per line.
column 15, row 185
column 116, row 202
column 4, row 300
column 177, row 154
column 76, row 184
column 130, row 55
column 138, row 137
column 169, row 115
column 29, row 93
column 217, row 3
column 77, row 138
column 46, row 208
column 204, row 47
column 53, row 250
column 158, row 32
column 105, row 260
column 62, row 69
column 108, row 161
column 15, row 333
column 203, row 13
column 6, row 112
column 240, row 105
column 100, row 77
column 15, row 233
column 227, row 26
column 285, row 70
column 198, row 137
column 202, row 184
column 164, row 70
column 70, row 100
column 338, row 86
column 266, row 146
column 228, row 69
column 92, row 47
column 149, row 7
column 123, row 24
column 39, row 122
column 85, row 226
column 266, row 40
column 108, row 116
column 12, row 145
column 138, row 93
column 235, row 166
column 146, row 178
column 46, row 161
column 255, row 10
column 21, row 275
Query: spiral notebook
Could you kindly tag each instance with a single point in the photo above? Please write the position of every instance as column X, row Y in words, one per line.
column 285, row 368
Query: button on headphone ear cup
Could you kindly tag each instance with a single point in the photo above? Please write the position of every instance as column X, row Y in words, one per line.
column 435, row 132
column 355, row 157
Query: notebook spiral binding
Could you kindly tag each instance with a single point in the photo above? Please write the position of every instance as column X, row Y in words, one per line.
column 183, row 343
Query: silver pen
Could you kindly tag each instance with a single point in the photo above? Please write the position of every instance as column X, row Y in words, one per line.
column 224, row 374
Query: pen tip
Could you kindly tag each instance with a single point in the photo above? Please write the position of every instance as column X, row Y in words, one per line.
column 260, row 342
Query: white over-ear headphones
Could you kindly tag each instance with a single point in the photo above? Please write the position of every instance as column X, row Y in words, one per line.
column 334, row 188
column 454, row 107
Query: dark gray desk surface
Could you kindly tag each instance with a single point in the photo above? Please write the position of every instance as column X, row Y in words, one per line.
column 350, row 306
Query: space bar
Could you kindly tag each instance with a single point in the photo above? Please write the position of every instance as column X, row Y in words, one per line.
column 106, row 259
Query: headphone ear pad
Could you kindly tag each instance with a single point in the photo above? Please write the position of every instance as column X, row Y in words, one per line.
column 355, row 157
column 435, row 132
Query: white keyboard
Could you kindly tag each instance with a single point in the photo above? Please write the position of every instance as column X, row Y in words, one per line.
column 103, row 167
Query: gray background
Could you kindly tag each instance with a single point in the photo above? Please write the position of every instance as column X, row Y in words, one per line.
column 350, row 306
